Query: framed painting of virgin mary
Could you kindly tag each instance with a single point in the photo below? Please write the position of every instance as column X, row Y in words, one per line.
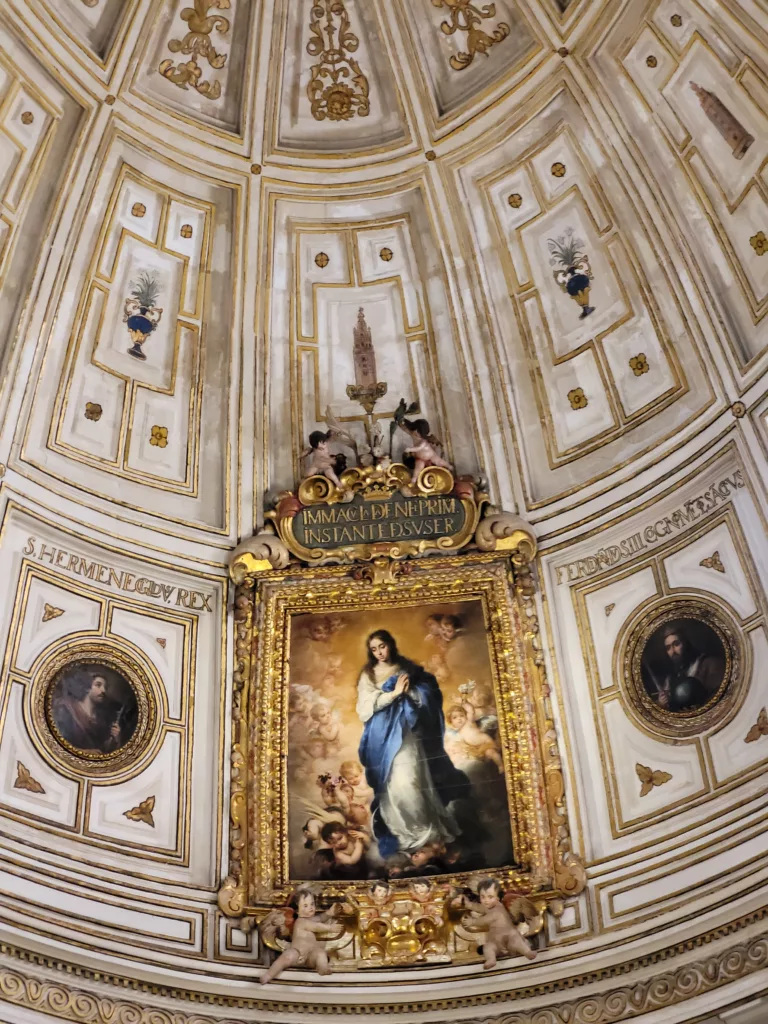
column 395, row 731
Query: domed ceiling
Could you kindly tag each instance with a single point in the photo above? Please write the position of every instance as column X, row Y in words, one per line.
column 553, row 215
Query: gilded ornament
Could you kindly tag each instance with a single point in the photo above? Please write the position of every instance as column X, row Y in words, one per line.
column 515, row 200
column 158, row 437
column 138, row 210
column 93, row 411
column 27, row 117
column 713, row 562
column 24, row 780
column 161, row 641
column 739, row 410
column 578, row 399
column 322, row 259
column 650, row 778
column 186, row 231
column 197, row 45
column 652, row 61
column 385, row 254
column 558, row 169
column 337, row 87
column 759, row 243
column 49, row 612
column 639, row 364
column 143, row 812
column 676, row 20
column 466, row 16
column 760, row 728
column 609, row 608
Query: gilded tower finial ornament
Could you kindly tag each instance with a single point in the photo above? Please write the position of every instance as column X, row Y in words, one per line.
column 197, row 43
column 337, row 87
column 466, row 17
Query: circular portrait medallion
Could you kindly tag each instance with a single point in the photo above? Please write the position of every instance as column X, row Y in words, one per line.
column 95, row 707
column 681, row 665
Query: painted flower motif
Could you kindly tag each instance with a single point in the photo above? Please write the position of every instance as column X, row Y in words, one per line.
column 159, row 437
column 93, row 411
column 338, row 101
column 639, row 364
column 515, row 200
column 578, row 399
column 759, row 243
column 558, row 170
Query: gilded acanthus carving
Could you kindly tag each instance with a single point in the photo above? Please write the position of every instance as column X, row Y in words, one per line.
column 466, row 16
column 197, row 45
column 503, row 531
column 232, row 894
column 258, row 554
column 337, row 87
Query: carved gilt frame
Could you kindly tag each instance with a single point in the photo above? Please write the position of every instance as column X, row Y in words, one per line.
column 266, row 599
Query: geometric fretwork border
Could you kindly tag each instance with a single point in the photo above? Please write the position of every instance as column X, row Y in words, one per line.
column 612, row 1005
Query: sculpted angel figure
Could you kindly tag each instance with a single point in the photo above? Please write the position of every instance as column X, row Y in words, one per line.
column 322, row 462
column 425, row 449
column 497, row 919
column 305, row 950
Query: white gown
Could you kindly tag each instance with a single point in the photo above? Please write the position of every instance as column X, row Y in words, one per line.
column 410, row 805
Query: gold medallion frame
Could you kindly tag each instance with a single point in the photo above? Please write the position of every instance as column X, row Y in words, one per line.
column 641, row 628
column 265, row 603
column 63, row 754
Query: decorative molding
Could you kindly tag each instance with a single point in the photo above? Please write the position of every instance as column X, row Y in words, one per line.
column 650, row 778
column 24, row 780
column 258, row 554
column 663, row 989
column 143, row 812
column 466, row 16
column 504, row 531
column 197, row 44
column 337, row 87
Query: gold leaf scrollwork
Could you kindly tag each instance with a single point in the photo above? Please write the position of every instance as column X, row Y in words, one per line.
column 197, row 44
column 466, row 16
column 337, row 87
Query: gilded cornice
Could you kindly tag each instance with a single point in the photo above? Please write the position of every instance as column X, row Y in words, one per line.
column 610, row 1005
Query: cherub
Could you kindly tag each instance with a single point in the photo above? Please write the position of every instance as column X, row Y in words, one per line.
column 359, row 792
column 348, row 845
column 422, row 861
column 425, row 448
column 322, row 462
column 478, row 702
column 305, row 925
column 325, row 726
column 465, row 742
column 498, row 921
column 434, row 633
column 299, row 717
column 429, row 897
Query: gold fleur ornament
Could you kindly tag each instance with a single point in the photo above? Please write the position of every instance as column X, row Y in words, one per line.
column 650, row 778
column 558, row 169
column 760, row 728
column 713, row 562
column 515, row 200
column 50, row 612
column 143, row 812
column 386, row 254
column 158, row 438
column 639, row 364
column 197, row 44
column 93, row 411
column 322, row 259
column 24, row 780
column 578, row 399
column 759, row 243
column 466, row 16
column 337, row 88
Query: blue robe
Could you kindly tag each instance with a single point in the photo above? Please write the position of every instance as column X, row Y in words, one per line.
column 421, row 711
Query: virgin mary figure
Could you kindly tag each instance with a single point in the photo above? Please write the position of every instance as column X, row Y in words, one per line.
column 413, row 780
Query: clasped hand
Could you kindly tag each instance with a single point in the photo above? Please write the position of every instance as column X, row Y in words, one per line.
column 402, row 684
